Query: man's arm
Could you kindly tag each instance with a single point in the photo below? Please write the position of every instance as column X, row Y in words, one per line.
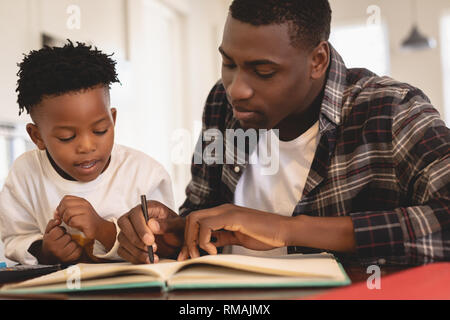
column 419, row 231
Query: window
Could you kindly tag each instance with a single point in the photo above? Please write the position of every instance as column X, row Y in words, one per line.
column 445, row 47
column 363, row 46
column 150, row 101
column 13, row 142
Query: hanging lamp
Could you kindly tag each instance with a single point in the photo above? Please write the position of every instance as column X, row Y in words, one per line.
column 416, row 40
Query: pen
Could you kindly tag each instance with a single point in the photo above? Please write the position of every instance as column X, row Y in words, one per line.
column 145, row 211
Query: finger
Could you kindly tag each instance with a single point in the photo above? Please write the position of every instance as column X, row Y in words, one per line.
column 156, row 210
column 70, row 212
column 51, row 224
column 191, row 236
column 75, row 252
column 127, row 230
column 140, row 254
column 69, row 248
column 77, row 222
column 159, row 211
column 127, row 256
column 56, row 234
column 64, row 240
column 184, row 254
column 204, row 238
column 135, row 259
column 66, row 202
column 140, row 226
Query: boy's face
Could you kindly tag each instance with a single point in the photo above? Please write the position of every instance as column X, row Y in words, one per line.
column 77, row 129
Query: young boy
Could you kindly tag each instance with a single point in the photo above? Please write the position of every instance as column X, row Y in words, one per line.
column 60, row 203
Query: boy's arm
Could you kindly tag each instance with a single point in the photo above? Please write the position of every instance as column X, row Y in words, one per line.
column 18, row 229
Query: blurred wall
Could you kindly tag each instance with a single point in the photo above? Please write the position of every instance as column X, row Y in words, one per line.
column 422, row 69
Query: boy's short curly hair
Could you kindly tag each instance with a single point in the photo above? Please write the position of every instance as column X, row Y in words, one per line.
column 58, row 70
column 309, row 20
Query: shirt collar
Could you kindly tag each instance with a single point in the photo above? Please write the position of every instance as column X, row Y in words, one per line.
column 334, row 90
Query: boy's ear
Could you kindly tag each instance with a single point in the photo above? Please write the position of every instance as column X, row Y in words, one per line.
column 114, row 114
column 35, row 136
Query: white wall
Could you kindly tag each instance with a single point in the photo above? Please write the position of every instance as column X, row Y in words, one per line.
column 106, row 24
column 422, row 69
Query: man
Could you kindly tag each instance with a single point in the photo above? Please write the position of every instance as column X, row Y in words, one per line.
column 364, row 160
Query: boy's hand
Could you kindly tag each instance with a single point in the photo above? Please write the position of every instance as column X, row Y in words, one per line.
column 165, row 228
column 78, row 213
column 58, row 246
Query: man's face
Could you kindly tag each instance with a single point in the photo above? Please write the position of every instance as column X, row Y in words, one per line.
column 77, row 129
column 265, row 77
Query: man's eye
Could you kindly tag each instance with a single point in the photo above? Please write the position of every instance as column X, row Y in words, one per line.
column 228, row 65
column 66, row 139
column 265, row 74
column 100, row 132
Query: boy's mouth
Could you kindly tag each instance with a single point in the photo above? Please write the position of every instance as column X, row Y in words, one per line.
column 87, row 164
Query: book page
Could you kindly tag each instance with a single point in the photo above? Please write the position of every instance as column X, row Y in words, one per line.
column 206, row 276
column 318, row 266
column 88, row 271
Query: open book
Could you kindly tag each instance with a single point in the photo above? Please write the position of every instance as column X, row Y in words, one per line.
column 212, row 271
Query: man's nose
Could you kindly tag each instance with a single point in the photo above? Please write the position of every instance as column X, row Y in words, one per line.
column 239, row 89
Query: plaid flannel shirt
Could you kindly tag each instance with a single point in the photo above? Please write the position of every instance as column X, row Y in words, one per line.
column 382, row 159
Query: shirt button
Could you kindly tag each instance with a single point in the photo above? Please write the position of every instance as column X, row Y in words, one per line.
column 237, row 169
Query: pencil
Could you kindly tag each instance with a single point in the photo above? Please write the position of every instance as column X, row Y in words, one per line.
column 145, row 211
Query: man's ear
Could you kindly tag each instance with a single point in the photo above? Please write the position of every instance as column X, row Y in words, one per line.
column 320, row 60
column 35, row 136
column 114, row 114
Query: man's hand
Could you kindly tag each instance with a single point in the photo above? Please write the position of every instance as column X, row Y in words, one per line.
column 232, row 225
column 58, row 246
column 78, row 213
column 165, row 228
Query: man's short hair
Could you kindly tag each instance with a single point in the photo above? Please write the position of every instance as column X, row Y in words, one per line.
column 309, row 20
column 53, row 71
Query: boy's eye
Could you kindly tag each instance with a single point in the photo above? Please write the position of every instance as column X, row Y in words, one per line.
column 66, row 139
column 100, row 132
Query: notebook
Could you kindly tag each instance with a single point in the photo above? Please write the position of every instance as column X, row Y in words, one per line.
column 212, row 271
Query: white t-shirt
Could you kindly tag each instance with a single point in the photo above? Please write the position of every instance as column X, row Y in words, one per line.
column 276, row 188
column 34, row 189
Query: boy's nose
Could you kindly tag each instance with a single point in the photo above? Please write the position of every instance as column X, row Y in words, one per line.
column 86, row 145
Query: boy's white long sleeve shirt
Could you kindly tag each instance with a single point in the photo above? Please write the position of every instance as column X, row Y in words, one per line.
column 34, row 189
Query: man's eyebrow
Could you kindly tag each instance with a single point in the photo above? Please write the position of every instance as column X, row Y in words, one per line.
column 249, row 63
column 224, row 53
